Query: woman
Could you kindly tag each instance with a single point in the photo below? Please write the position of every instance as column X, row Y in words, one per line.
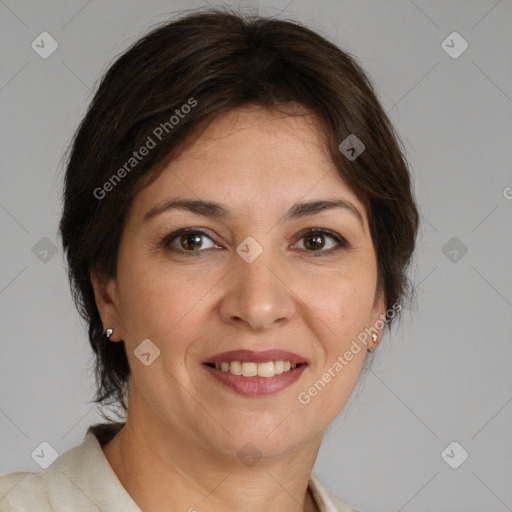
column 238, row 221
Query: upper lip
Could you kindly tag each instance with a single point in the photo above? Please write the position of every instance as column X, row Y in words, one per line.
column 250, row 356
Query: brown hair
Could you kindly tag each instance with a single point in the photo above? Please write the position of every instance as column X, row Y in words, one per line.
column 213, row 61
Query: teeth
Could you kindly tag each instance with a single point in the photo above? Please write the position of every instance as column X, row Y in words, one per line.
column 278, row 367
column 235, row 368
column 249, row 369
column 268, row 369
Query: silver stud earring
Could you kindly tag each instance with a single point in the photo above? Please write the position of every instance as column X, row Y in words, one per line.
column 108, row 333
column 374, row 338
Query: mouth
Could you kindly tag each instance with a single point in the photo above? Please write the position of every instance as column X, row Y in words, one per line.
column 247, row 369
column 256, row 373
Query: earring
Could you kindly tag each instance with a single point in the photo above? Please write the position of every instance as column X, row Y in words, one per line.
column 108, row 333
column 374, row 338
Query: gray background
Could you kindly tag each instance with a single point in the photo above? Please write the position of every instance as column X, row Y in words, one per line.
column 443, row 376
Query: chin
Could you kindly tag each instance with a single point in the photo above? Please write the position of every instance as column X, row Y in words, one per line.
column 269, row 436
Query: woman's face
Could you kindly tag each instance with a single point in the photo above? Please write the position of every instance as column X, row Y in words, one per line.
column 259, row 277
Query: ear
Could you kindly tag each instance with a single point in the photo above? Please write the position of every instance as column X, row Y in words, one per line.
column 105, row 294
column 378, row 315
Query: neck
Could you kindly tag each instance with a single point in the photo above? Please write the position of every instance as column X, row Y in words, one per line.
column 160, row 470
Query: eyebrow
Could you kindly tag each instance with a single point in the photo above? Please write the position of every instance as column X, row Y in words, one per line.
column 215, row 210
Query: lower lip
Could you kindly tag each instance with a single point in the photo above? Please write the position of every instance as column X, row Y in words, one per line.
column 257, row 386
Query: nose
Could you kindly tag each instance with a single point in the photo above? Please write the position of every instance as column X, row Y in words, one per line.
column 258, row 295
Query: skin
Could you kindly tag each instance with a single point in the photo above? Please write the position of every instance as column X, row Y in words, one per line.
column 179, row 447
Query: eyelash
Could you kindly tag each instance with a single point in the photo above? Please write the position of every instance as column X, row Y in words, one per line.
column 168, row 239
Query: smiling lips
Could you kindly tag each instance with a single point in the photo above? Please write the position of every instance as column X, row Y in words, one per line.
column 256, row 373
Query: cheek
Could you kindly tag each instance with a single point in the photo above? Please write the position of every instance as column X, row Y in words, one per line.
column 342, row 302
column 339, row 313
column 157, row 302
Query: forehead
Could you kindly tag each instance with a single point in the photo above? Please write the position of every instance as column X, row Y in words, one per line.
column 293, row 125
column 253, row 156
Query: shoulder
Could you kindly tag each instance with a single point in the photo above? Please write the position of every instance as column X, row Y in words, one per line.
column 29, row 491
column 78, row 479
column 23, row 491
column 326, row 501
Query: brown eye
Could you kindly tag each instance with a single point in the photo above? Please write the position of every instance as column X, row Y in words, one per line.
column 314, row 242
column 187, row 241
column 317, row 241
column 191, row 241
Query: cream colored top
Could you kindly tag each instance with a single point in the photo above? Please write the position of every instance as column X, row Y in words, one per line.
column 82, row 480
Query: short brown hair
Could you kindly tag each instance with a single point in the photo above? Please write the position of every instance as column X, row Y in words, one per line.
column 221, row 59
